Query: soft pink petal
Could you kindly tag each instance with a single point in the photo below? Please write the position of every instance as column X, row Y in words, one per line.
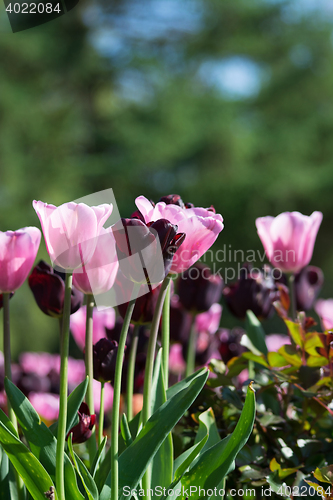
column 99, row 274
column 289, row 238
column 324, row 309
column 101, row 320
column 209, row 321
column 18, row 250
column 70, row 231
column 46, row 404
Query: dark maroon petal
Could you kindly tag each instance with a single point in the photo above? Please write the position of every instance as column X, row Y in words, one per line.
column 198, row 288
column 172, row 199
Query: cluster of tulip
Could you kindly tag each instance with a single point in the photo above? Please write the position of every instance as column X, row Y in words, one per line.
column 138, row 258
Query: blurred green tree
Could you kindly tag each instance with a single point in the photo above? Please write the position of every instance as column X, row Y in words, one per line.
column 226, row 103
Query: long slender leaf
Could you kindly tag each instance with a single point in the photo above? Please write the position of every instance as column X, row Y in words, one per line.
column 104, row 468
column 125, row 430
column 8, row 488
column 162, row 463
column 217, row 461
column 87, row 481
column 135, row 459
column 98, row 457
column 34, row 476
column 255, row 332
column 42, row 442
column 74, row 401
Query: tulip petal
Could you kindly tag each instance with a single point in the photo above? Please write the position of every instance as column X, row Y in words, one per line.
column 18, row 250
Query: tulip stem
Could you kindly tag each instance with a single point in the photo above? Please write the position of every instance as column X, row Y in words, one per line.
column 116, row 396
column 63, row 389
column 166, row 335
column 101, row 416
column 291, row 279
column 146, row 408
column 130, row 373
column 8, row 374
column 92, row 448
column 191, row 349
column 7, row 352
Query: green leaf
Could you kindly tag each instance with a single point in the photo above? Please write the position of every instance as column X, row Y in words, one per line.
column 312, row 341
column 215, row 463
column 257, row 359
column 125, row 430
column 74, row 401
column 34, row 476
column 7, row 479
column 181, row 385
column 276, row 360
column 206, row 437
column 104, row 469
column 316, row 361
column 255, row 332
column 97, row 457
column 236, row 365
column 325, row 474
column 41, row 440
column 87, row 481
column 134, row 461
column 183, row 462
column 295, row 331
column 289, row 352
column 162, row 463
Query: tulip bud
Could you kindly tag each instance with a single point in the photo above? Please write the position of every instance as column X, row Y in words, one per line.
column 199, row 289
column 308, row 284
column 48, row 288
column 82, row 431
column 105, row 355
column 145, row 251
column 180, row 321
column 229, row 344
column 255, row 290
column 144, row 307
column 173, row 199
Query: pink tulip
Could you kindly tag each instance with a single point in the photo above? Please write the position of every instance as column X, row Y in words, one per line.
column 324, row 309
column 18, row 250
column 46, row 404
column 99, row 274
column 103, row 319
column 40, row 363
column 289, row 238
column 177, row 363
column 71, row 231
column 200, row 226
column 209, row 321
column 275, row 341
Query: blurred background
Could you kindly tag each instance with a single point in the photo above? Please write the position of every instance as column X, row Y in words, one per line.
column 225, row 102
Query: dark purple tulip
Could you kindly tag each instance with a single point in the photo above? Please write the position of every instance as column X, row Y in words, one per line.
column 199, row 289
column 308, row 284
column 105, row 355
column 139, row 248
column 82, row 431
column 255, row 290
column 114, row 333
column 144, row 307
column 229, row 343
column 173, row 199
column 180, row 321
column 48, row 288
